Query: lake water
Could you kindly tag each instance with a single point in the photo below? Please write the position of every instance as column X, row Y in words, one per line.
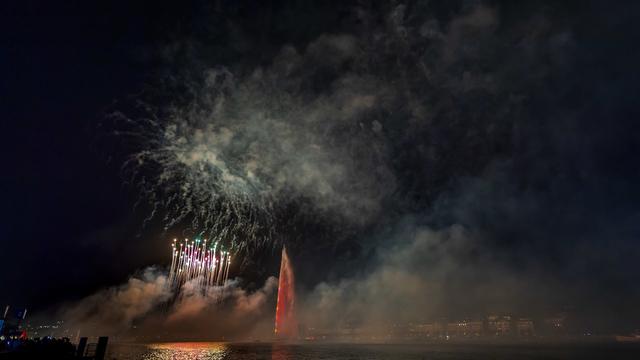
column 264, row 351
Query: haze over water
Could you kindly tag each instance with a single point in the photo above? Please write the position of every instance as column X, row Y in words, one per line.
column 257, row 351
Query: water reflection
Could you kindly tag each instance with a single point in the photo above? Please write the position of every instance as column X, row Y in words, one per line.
column 281, row 352
column 186, row 350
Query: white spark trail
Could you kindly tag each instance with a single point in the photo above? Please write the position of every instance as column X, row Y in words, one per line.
column 195, row 260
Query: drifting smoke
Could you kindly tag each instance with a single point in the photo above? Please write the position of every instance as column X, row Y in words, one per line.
column 146, row 307
column 353, row 129
column 243, row 148
column 115, row 309
column 426, row 275
column 331, row 131
column 459, row 121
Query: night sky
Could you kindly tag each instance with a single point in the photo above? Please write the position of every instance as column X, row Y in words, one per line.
column 504, row 132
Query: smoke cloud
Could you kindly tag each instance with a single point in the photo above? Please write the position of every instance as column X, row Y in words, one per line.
column 146, row 309
column 425, row 276
column 117, row 308
column 335, row 131
column 449, row 163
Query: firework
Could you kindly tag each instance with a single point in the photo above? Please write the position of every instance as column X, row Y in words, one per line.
column 198, row 260
column 190, row 166
column 233, row 156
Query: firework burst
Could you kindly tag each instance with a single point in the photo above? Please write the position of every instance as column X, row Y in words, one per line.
column 231, row 155
column 207, row 263
column 195, row 167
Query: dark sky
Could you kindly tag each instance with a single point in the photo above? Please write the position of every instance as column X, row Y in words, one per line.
column 527, row 136
column 64, row 66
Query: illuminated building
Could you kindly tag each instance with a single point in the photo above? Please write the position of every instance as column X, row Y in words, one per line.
column 428, row 330
column 555, row 325
column 524, row 327
column 499, row 325
column 465, row 328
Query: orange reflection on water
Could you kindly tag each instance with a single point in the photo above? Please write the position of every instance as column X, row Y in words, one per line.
column 281, row 352
column 187, row 350
column 189, row 346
